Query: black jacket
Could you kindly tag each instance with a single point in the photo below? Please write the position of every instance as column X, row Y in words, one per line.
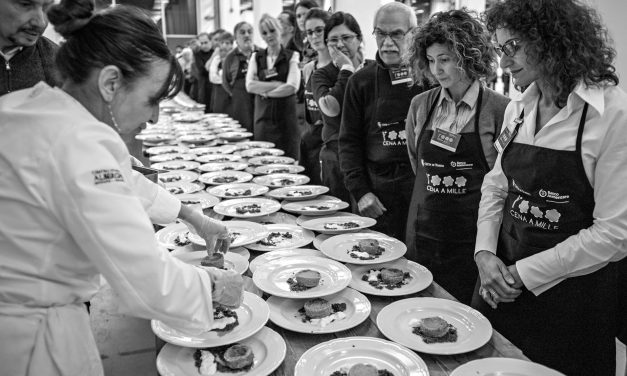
column 29, row 66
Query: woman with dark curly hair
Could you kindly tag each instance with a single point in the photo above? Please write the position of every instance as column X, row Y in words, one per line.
column 553, row 216
column 452, row 49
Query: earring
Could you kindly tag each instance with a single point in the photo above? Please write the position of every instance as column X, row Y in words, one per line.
column 115, row 123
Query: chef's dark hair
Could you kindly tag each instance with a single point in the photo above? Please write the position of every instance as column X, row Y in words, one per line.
column 318, row 14
column 342, row 18
column 123, row 36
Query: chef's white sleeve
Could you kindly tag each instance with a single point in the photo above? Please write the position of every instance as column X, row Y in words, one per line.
column 161, row 206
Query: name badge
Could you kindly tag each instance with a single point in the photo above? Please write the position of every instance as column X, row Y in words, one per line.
column 271, row 73
column 445, row 139
column 507, row 136
column 400, row 75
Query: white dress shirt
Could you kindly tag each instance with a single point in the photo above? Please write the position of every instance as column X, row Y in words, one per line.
column 215, row 73
column 604, row 153
column 293, row 75
column 69, row 211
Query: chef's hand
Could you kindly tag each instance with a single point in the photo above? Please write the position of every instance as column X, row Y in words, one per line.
column 370, row 206
column 497, row 283
column 339, row 58
column 215, row 234
column 227, row 287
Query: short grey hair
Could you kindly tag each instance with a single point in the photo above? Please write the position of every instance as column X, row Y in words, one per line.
column 395, row 6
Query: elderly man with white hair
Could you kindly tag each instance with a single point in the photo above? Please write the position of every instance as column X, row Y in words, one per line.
column 372, row 141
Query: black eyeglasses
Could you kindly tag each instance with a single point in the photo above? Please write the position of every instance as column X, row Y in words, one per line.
column 270, row 31
column 396, row 35
column 344, row 38
column 509, row 48
column 318, row 31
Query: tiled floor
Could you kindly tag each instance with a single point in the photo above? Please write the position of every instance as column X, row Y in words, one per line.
column 127, row 344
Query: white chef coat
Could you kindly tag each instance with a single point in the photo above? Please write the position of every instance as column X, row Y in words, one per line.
column 68, row 211
column 604, row 155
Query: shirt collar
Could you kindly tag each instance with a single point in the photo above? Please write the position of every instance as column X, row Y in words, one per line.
column 470, row 97
column 8, row 55
column 593, row 95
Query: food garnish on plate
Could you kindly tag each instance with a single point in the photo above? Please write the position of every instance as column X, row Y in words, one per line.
column 304, row 280
column 275, row 238
column 224, row 359
column 296, row 193
column 388, row 278
column 284, row 182
column 366, row 249
column 435, row 330
column 174, row 167
column 321, row 312
column 361, row 369
column 175, row 190
column 215, row 260
column 170, row 179
column 182, row 239
column 315, row 207
column 237, row 192
column 341, row 226
column 252, row 208
column 225, row 179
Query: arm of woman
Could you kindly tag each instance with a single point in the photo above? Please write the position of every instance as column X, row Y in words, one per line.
column 329, row 93
column 291, row 84
column 214, row 73
column 253, row 85
column 410, row 124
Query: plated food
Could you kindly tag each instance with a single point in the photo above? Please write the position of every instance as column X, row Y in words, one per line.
column 172, row 157
column 339, row 225
column 275, row 255
column 282, row 236
column 177, row 176
column 254, row 144
column 228, row 261
column 266, row 160
column 238, row 190
column 504, row 366
column 176, row 165
column 298, row 193
column 205, row 200
column 234, row 135
column 363, row 248
column 434, row 326
column 322, row 205
column 217, row 158
column 395, row 278
column 281, row 180
column 261, row 152
column 173, row 236
column 278, row 169
column 158, row 150
column 225, row 177
column 182, row 187
column 229, row 358
column 247, row 207
column 360, row 354
column 223, row 166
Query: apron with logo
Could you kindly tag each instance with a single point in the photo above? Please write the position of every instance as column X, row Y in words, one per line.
column 275, row 118
column 392, row 182
column 571, row 326
column 221, row 101
column 446, row 196
column 242, row 102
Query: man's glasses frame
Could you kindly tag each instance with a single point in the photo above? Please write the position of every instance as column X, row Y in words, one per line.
column 396, row 35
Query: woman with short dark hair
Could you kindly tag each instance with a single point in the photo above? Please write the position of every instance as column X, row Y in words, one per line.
column 553, row 216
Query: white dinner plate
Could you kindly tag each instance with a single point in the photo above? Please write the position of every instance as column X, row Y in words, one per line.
column 157, row 150
column 196, row 138
column 225, row 177
column 184, row 187
column 254, row 144
column 339, row 225
column 278, row 169
column 275, row 218
column 304, row 218
column 284, row 313
column 261, row 152
column 503, row 367
column 247, row 232
column 176, row 165
column 234, row 136
column 230, row 207
column 272, row 277
column 298, row 193
column 166, row 236
column 300, row 237
column 172, row 157
column 155, row 137
column 268, row 349
column 339, row 247
column 260, row 161
column 319, row 239
column 238, row 190
column 205, row 199
column 322, row 205
column 421, row 278
column 177, row 176
column 397, row 320
column 223, row 166
column 199, row 152
column 232, row 261
column 217, row 158
column 252, row 316
column 194, row 247
column 281, row 180
column 188, row 117
column 343, row 353
column 280, row 253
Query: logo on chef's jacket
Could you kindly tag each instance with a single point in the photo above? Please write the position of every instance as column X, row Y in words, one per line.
column 107, row 176
column 452, row 185
column 461, row 165
column 555, row 197
column 394, row 138
column 544, row 218
column 429, row 164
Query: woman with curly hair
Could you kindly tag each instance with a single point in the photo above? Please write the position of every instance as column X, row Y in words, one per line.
column 450, row 132
column 553, row 216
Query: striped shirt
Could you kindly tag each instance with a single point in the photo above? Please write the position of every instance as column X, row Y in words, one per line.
column 454, row 117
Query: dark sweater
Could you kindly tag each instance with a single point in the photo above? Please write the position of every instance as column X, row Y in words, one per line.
column 29, row 66
column 329, row 80
column 360, row 140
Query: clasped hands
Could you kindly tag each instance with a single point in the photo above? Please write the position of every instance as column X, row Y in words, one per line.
column 499, row 283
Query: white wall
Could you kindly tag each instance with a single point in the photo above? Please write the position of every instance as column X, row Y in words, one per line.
column 613, row 14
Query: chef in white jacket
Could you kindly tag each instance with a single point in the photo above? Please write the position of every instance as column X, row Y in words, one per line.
column 69, row 208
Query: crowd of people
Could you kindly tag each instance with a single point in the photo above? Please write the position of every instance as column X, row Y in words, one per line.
column 516, row 206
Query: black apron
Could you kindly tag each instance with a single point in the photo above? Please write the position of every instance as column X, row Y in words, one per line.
column 445, row 201
column 242, row 102
column 392, row 182
column 220, row 99
column 570, row 327
column 311, row 138
column 275, row 118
